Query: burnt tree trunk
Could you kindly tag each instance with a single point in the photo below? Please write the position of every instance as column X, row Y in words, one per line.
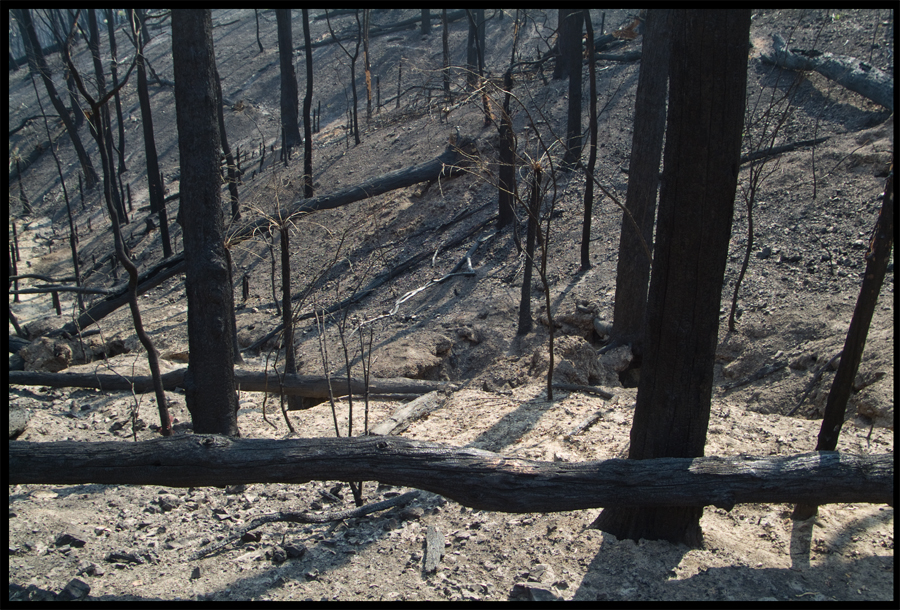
column 633, row 270
column 111, row 28
column 209, row 382
column 702, row 156
column 473, row 477
column 307, row 109
column 154, row 179
column 38, row 65
column 877, row 258
column 231, row 176
column 534, row 209
column 507, row 163
column 289, row 94
column 592, row 150
column 287, row 313
column 573, row 28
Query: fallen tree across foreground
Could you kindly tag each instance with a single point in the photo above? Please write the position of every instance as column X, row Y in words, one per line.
column 475, row 478
column 310, row 386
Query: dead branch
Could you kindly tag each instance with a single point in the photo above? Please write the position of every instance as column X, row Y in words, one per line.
column 292, row 517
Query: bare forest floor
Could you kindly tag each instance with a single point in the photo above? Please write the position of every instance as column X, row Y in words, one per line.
column 813, row 220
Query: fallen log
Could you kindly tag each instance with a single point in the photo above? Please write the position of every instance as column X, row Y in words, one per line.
column 852, row 73
column 472, row 477
column 310, row 386
column 450, row 162
column 400, row 419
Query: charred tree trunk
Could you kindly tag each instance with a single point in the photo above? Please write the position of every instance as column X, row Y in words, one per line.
column 209, row 383
column 702, row 157
column 307, row 108
column 592, row 153
column 446, row 57
column 573, row 28
column 102, row 128
column 231, row 176
column 111, row 28
column 154, row 180
column 287, row 313
column 633, row 272
column 474, row 478
column 38, row 65
column 877, row 258
column 507, row 170
column 289, row 94
column 534, row 210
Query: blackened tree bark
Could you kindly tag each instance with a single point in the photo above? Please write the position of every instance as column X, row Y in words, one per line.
column 568, row 41
column 209, row 382
column 307, row 108
column 289, row 94
column 154, row 179
column 111, row 28
column 426, row 21
column 877, row 258
column 702, row 157
column 592, row 151
column 353, row 57
column 290, row 359
column 231, row 176
column 506, row 173
column 534, row 209
column 633, row 272
column 38, row 65
column 446, row 54
column 258, row 41
column 103, row 129
column 574, row 24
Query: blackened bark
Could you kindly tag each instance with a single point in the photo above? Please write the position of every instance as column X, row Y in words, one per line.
column 111, row 28
column 574, row 26
column 426, row 21
column 102, row 131
column 568, row 40
column 290, row 359
column 633, row 271
column 307, row 108
column 534, row 208
column 446, row 54
column 209, row 383
column 231, row 176
column 289, row 93
column 877, row 258
column 507, row 170
column 258, row 41
column 592, row 153
column 38, row 65
column 702, row 156
column 154, row 180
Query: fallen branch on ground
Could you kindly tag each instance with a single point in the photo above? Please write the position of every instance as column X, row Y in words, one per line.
column 472, row 477
column 763, row 372
column 309, row 518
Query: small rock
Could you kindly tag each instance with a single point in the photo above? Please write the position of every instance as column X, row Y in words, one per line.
column 74, row 589
column 69, row 540
column 277, row 554
column 764, row 253
column 295, row 551
column 411, row 513
column 195, row 573
column 536, row 592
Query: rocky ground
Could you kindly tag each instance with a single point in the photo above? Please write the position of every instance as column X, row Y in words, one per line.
column 813, row 218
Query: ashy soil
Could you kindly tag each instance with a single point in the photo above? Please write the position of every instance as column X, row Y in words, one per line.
column 813, row 218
